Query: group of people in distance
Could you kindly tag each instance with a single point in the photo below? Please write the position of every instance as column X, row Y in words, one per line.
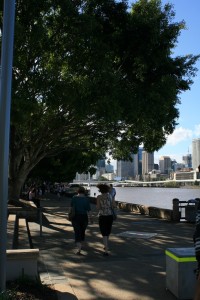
column 105, row 205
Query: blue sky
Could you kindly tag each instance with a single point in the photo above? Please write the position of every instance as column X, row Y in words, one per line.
column 188, row 128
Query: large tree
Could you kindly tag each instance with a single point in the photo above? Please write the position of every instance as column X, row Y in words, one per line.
column 94, row 76
column 64, row 166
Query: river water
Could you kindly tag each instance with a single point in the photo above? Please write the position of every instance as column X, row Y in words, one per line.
column 149, row 196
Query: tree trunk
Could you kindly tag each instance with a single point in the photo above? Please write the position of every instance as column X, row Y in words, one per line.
column 15, row 186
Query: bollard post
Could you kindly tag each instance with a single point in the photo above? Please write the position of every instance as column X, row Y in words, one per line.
column 176, row 213
column 197, row 205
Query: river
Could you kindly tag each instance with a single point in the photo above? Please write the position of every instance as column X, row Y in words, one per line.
column 149, row 196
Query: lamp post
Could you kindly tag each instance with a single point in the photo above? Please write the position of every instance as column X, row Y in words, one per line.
column 5, row 103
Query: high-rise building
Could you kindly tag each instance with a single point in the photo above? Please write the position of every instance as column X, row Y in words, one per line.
column 140, row 160
column 109, row 168
column 147, row 162
column 101, row 163
column 100, row 168
column 195, row 153
column 128, row 169
column 165, row 164
column 187, row 160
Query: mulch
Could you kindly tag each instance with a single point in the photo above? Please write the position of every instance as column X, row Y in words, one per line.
column 29, row 291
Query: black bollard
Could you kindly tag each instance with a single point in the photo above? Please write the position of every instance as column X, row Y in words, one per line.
column 176, row 212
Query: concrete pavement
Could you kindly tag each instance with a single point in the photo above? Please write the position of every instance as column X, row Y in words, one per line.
column 135, row 268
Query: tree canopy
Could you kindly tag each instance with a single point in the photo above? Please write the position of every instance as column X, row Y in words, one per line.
column 92, row 76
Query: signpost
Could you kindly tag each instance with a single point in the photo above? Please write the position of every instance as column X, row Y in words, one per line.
column 5, row 104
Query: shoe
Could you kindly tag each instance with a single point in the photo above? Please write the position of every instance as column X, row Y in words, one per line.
column 105, row 254
column 78, row 252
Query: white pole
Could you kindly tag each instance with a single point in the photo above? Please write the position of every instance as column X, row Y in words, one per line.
column 5, row 103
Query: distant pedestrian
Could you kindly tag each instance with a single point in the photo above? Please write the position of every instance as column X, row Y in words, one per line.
column 81, row 205
column 104, row 204
column 112, row 191
column 59, row 191
column 32, row 193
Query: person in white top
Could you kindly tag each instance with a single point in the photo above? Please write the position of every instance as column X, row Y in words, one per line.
column 105, row 203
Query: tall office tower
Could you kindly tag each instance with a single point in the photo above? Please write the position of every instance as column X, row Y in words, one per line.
column 140, row 160
column 174, row 165
column 165, row 164
column 109, row 168
column 195, row 153
column 128, row 169
column 147, row 162
column 187, row 160
column 101, row 167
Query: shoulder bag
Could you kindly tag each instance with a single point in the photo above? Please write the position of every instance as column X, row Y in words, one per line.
column 71, row 213
column 113, row 210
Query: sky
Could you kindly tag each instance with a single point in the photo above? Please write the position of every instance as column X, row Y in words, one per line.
column 188, row 128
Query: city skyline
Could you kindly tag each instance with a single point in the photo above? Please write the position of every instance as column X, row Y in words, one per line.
column 180, row 142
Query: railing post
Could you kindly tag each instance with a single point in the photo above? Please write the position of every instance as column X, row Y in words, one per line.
column 176, row 212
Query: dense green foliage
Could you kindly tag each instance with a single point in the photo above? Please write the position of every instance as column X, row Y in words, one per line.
column 63, row 167
column 90, row 77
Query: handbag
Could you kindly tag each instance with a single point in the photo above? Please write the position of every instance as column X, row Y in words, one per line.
column 112, row 209
column 114, row 214
column 71, row 213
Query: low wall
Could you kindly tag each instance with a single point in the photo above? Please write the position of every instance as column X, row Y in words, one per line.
column 151, row 211
column 21, row 262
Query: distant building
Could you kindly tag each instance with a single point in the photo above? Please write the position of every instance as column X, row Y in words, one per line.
column 154, row 174
column 128, row 169
column 179, row 167
column 108, row 176
column 101, row 167
column 82, row 177
column 187, row 175
column 156, row 167
column 187, row 160
column 174, row 165
column 109, row 168
column 147, row 162
column 101, row 164
column 195, row 153
column 140, row 160
column 165, row 164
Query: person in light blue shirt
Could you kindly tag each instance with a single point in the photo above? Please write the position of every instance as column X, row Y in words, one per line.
column 112, row 192
column 81, row 203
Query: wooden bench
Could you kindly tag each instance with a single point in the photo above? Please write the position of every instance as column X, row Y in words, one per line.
column 21, row 258
column 11, row 231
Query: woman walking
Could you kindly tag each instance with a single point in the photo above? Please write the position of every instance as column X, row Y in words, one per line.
column 105, row 203
column 81, row 205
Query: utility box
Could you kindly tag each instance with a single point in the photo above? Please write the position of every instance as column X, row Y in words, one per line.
column 180, row 272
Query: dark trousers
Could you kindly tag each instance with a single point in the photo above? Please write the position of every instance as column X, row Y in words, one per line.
column 80, row 223
column 105, row 224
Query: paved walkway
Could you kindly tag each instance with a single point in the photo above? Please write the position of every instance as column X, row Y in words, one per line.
column 135, row 269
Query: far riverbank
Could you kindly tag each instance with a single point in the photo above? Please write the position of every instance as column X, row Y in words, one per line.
column 152, row 196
